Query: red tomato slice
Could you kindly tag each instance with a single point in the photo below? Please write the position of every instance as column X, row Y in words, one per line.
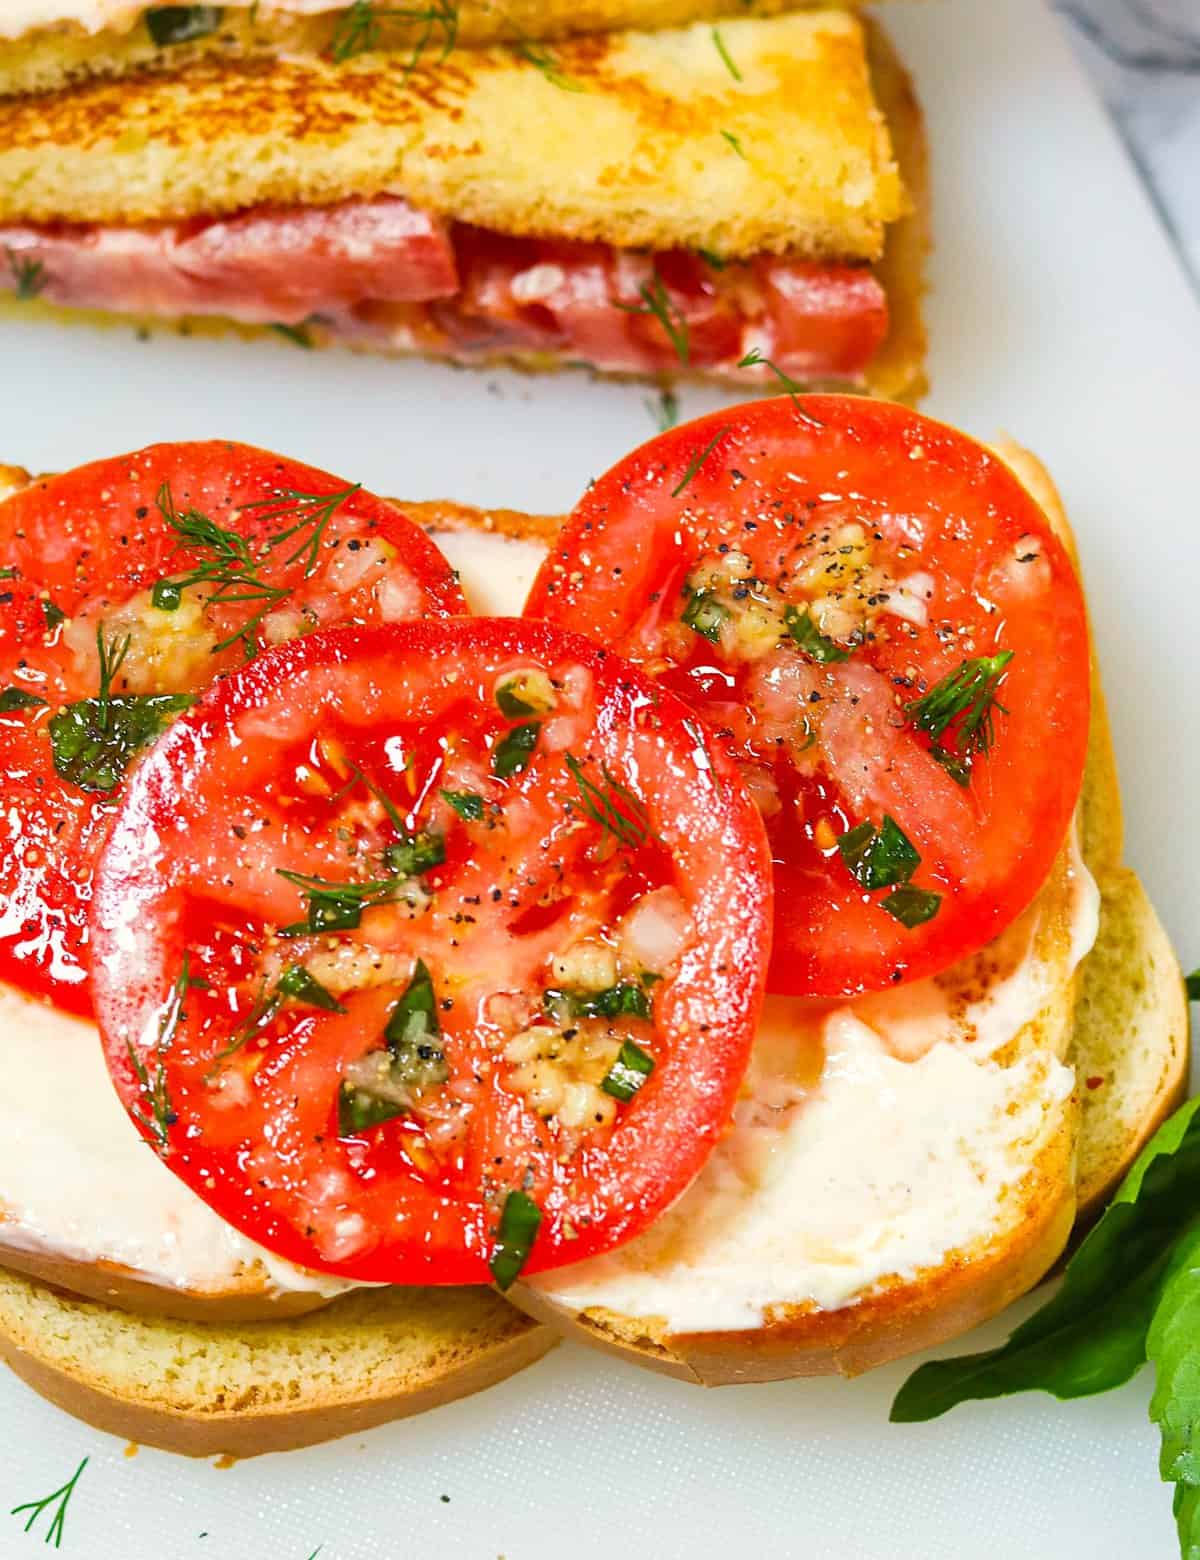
column 874, row 616
column 405, row 936
column 245, row 548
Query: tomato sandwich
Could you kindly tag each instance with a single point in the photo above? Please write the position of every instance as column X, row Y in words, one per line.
column 733, row 203
column 729, row 960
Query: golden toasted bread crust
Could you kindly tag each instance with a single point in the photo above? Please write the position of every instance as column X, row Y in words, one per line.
column 211, row 1389
column 637, row 156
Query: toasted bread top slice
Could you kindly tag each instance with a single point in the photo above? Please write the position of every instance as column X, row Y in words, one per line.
column 1021, row 1227
column 210, row 1388
column 53, row 56
column 773, row 142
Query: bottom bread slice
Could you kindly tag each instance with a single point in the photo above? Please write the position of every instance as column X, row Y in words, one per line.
column 207, row 1388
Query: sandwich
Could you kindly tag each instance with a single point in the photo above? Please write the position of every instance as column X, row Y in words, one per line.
column 737, row 203
column 1055, row 1050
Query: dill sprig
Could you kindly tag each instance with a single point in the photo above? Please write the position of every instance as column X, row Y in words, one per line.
column 112, row 658
column 542, row 59
column 698, row 460
column 618, row 810
column 791, row 387
column 963, row 706
column 656, row 301
column 296, row 334
column 360, row 29
column 726, row 57
column 29, row 276
column 729, row 136
column 158, row 1116
column 61, row 1498
column 665, row 410
column 335, row 906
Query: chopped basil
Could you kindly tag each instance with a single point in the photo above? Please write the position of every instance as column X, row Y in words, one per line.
column 416, row 854
column 299, row 986
column 383, row 1083
column 94, row 740
column 704, row 615
column 167, row 595
column 811, row 640
column 18, row 699
column 8, row 572
column 520, row 1221
column 168, row 24
column 514, row 750
column 912, row 906
column 956, row 766
column 54, row 615
column 877, row 858
column 626, row 999
column 510, row 702
column 468, row 805
column 627, row 1074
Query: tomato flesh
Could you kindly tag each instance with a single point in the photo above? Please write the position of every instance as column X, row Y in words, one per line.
column 83, row 553
column 811, row 574
column 538, row 917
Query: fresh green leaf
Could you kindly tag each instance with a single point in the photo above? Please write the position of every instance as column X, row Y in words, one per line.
column 1192, row 984
column 509, row 701
column 468, row 805
column 415, row 1014
column 384, row 1083
column 1173, row 1348
column 698, row 460
column 877, row 858
column 94, row 741
column 297, row 334
column 812, row 641
column 665, row 410
column 54, row 615
column 791, row 387
column 613, row 806
column 19, row 699
column 58, row 1500
column 1092, row 1335
column 962, row 706
column 297, row 984
column 169, row 24
column 542, row 59
column 29, row 275
column 735, row 143
column 519, row 1223
column 912, row 906
column 360, row 1109
column 726, row 57
column 335, row 906
column 712, row 260
column 657, row 301
column 415, row 854
column 154, row 1110
column 704, row 615
column 362, row 27
column 629, row 1072
column 8, row 572
column 515, row 749
column 625, row 999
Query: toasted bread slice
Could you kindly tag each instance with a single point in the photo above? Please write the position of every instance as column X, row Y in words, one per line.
column 621, row 159
column 53, row 57
column 210, row 1388
column 1122, row 1019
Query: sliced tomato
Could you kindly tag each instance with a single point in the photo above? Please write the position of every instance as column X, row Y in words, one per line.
column 175, row 562
column 875, row 618
column 412, row 939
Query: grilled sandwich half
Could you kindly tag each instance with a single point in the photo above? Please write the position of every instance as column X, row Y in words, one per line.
column 742, row 202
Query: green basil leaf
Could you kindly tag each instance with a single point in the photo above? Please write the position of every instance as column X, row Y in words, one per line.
column 1092, row 1335
column 359, row 1109
column 704, row 615
column 94, row 740
column 514, row 750
column 415, row 1015
column 520, row 1221
column 300, row 986
column 877, row 858
column 467, row 804
column 810, row 638
column 54, row 615
column 912, row 906
column 627, row 1074
column 1173, row 1348
column 18, row 699
column 415, row 855
column 168, row 24
column 626, row 999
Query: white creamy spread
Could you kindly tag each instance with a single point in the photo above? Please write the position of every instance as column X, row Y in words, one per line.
column 872, row 1138
column 18, row 17
column 494, row 571
column 77, row 1180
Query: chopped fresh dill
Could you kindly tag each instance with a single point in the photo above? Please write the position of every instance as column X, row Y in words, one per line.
column 698, row 460
column 29, row 276
column 60, row 1499
column 726, row 57
column 656, row 301
column 613, row 806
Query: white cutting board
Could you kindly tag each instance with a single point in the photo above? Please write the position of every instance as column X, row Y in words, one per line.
column 1058, row 314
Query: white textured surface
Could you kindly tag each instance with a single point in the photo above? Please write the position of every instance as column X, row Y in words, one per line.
column 1039, row 330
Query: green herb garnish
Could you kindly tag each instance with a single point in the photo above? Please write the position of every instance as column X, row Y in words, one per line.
column 734, row 142
column 878, row 858
column 816, row 645
column 726, row 58
column 297, row 334
column 338, row 907
column 791, row 387
column 698, row 460
column 29, row 276
column 360, row 29
column 715, row 261
column 629, row 1072
column 656, row 301
column 8, row 572
column 704, row 615
column 962, row 707
column 168, row 24
column 665, row 410
column 542, row 59
column 295, row 984
column 626, row 999
column 156, row 1114
column 617, row 809
column 1192, row 986
column 469, row 805
column 54, row 616
column 18, row 699
column 912, row 906
column 93, row 741
column 59, row 1498
column 1131, row 1294
column 411, row 1061
column 520, row 1221
column 416, row 854
column 515, row 749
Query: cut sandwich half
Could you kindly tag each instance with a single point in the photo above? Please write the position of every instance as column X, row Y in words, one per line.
column 733, row 204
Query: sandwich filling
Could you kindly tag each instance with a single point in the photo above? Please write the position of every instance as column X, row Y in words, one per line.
column 381, row 273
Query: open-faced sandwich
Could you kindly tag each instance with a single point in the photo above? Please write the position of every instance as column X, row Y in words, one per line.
column 734, row 202
column 426, row 950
